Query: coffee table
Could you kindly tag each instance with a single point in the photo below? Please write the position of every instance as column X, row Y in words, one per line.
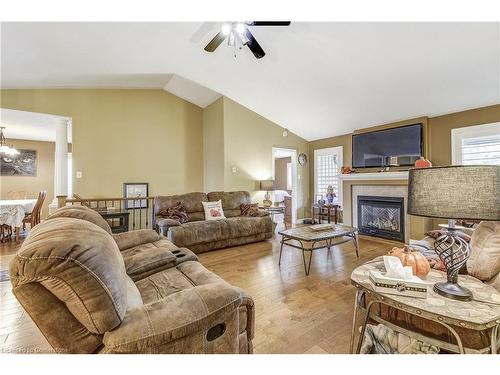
column 310, row 240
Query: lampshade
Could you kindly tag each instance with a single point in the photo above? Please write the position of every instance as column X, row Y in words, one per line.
column 455, row 192
column 267, row 185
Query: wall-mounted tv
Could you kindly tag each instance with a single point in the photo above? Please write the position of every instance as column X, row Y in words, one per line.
column 400, row 146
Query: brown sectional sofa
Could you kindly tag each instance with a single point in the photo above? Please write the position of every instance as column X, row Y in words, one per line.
column 201, row 235
column 89, row 291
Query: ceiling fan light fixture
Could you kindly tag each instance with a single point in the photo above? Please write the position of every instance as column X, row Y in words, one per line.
column 244, row 39
column 231, row 39
column 240, row 28
column 225, row 29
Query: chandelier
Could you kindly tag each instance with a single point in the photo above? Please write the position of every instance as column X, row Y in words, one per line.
column 4, row 148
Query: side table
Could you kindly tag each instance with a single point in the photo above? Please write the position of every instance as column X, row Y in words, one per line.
column 273, row 210
column 113, row 216
column 325, row 211
column 480, row 314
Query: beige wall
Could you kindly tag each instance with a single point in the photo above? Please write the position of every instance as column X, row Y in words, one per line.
column 213, row 146
column 280, row 172
column 248, row 142
column 125, row 136
column 437, row 135
column 44, row 179
column 440, row 129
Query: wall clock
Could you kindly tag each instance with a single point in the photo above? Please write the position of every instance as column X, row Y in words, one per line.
column 302, row 159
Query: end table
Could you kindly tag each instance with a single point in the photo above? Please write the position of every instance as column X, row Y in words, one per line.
column 480, row 314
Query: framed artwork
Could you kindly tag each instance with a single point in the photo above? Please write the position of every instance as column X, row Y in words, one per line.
column 135, row 190
column 23, row 164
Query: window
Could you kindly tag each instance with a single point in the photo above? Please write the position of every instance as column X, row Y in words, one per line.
column 70, row 174
column 327, row 164
column 288, row 176
column 476, row 145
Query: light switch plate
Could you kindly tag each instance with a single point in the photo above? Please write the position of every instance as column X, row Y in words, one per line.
column 79, row 174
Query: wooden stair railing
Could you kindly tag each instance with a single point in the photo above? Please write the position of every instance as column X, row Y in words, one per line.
column 141, row 209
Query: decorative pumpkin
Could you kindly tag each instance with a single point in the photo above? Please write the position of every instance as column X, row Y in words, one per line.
column 423, row 163
column 415, row 259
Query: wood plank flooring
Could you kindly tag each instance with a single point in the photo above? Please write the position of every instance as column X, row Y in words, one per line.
column 294, row 313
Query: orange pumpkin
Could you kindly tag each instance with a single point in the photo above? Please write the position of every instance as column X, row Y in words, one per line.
column 415, row 259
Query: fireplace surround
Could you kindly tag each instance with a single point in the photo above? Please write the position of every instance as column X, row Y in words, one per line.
column 381, row 216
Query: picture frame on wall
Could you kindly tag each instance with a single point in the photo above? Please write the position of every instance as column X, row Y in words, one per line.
column 135, row 190
column 23, row 164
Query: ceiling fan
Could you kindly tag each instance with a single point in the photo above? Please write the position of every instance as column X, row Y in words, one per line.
column 239, row 34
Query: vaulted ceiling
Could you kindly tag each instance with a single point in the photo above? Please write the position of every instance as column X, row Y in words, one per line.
column 317, row 79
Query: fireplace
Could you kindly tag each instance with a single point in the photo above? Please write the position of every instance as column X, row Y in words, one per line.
column 381, row 217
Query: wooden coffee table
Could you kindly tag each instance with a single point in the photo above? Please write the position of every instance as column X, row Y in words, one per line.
column 309, row 240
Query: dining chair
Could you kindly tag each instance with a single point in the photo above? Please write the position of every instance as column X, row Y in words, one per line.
column 5, row 232
column 33, row 218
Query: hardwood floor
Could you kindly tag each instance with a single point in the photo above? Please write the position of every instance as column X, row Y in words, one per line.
column 294, row 313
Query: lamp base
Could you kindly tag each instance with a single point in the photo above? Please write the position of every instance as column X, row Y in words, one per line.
column 453, row 291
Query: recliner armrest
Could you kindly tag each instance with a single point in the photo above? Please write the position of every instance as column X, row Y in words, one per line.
column 181, row 314
column 262, row 213
column 134, row 238
column 164, row 224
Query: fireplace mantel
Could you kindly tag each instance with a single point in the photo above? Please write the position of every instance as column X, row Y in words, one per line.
column 399, row 175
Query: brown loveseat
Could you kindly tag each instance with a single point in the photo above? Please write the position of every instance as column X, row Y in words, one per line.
column 91, row 292
column 201, row 235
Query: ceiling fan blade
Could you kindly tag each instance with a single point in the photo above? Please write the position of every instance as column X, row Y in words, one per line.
column 255, row 47
column 269, row 23
column 215, row 42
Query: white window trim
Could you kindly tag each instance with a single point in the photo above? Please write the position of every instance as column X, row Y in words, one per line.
column 458, row 134
column 339, row 151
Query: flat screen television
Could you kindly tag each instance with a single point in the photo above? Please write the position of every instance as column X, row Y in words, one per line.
column 400, row 146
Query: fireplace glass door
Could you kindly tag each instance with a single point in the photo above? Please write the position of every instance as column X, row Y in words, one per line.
column 381, row 217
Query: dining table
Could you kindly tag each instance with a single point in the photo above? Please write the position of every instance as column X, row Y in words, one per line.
column 13, row 211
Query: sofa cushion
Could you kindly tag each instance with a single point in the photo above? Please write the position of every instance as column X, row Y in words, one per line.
column 484, row 261
column 210, row 231
column 174, row 280
column 83, row 213
column 191, row 202
column 231, row 201
column 144, row 259
column 127, row 240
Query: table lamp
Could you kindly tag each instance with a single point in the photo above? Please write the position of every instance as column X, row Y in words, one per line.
column 267, row 186
column 454, row 192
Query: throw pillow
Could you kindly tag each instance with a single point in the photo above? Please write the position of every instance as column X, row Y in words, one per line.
column 213, row 210
column 251, row 209
column 176, row 212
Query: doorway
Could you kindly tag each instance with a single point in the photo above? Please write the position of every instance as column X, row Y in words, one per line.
column 284, row 167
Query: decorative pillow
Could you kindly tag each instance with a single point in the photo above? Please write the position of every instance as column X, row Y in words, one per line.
column 176, row 212
column 251, row 209
column 213, row 210
column 484, row 261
